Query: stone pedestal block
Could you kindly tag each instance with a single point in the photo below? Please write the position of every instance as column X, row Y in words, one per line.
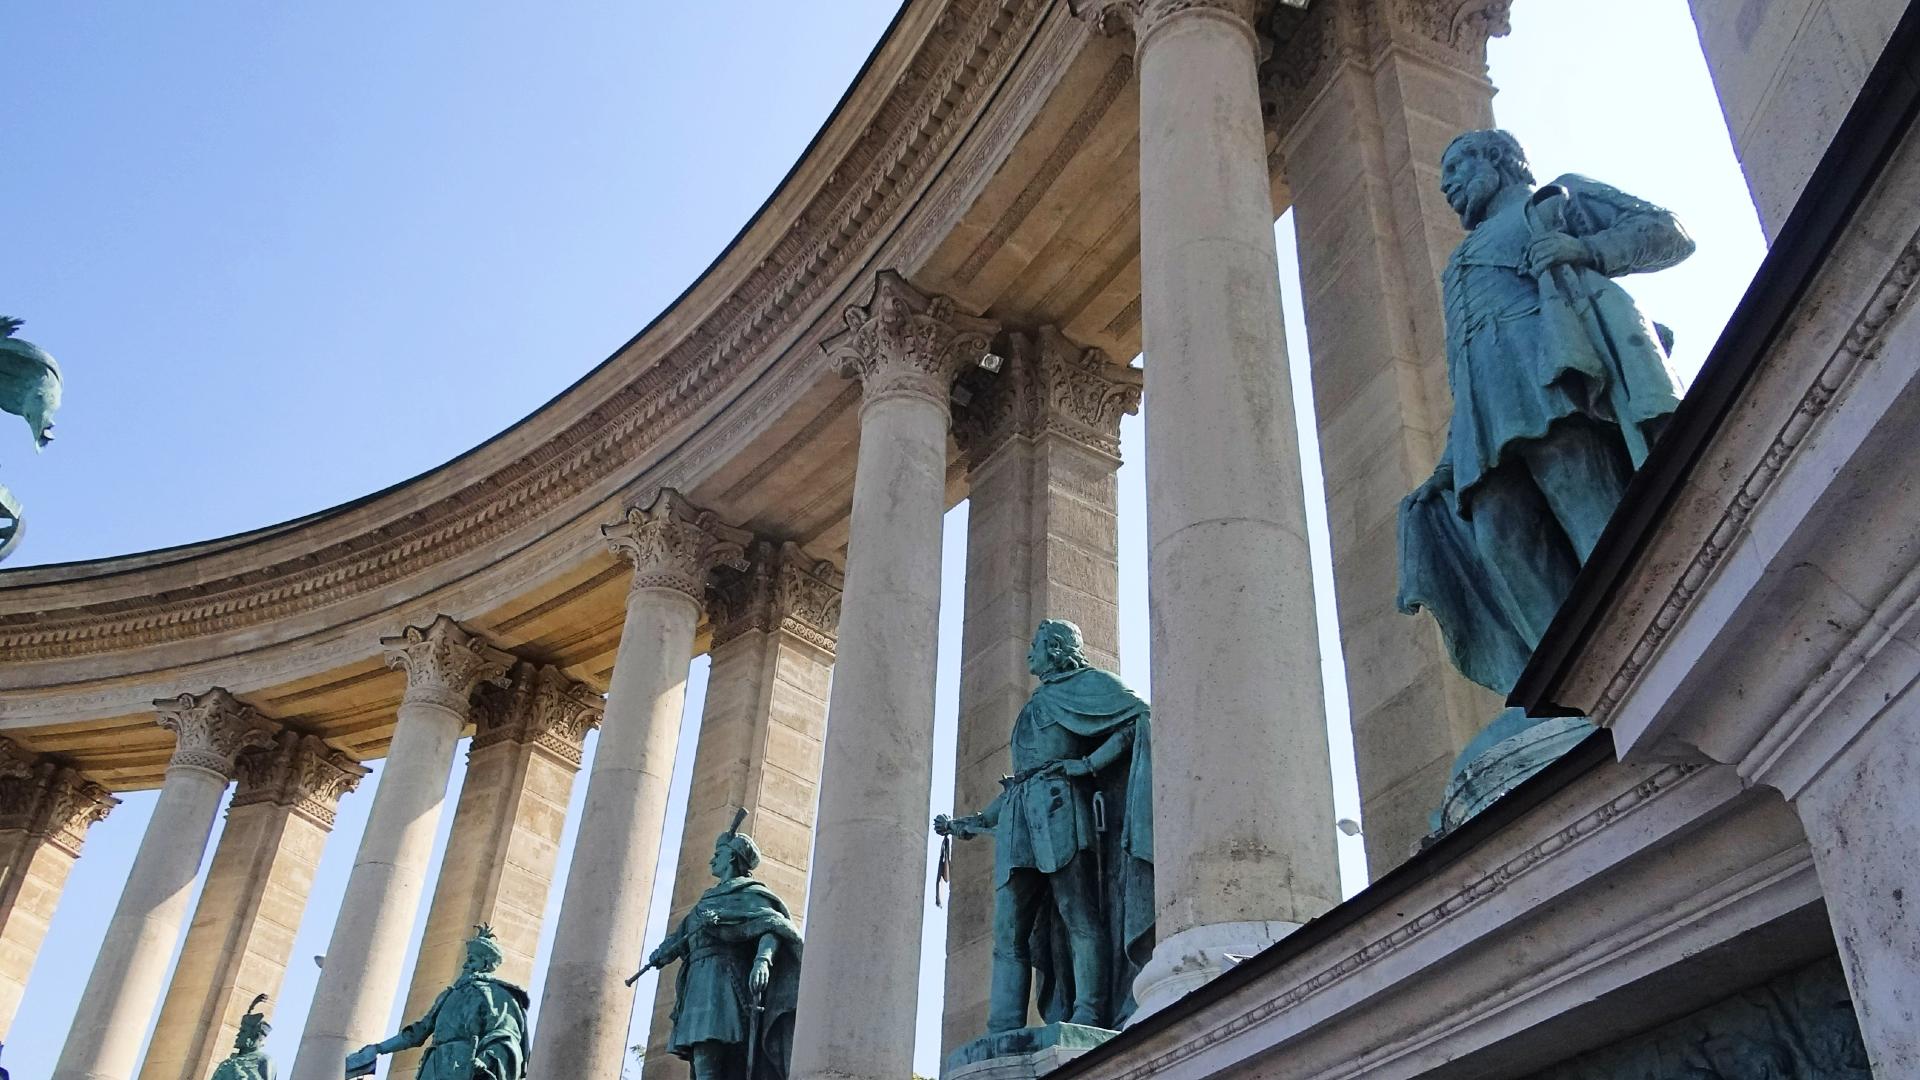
column 1025, row 1054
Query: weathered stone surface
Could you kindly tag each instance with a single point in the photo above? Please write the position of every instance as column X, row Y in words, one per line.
column 45, row 810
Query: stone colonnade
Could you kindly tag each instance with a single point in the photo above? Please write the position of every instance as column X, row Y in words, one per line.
column 1236, row 666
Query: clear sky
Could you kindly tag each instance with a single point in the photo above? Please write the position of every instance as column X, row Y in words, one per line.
column 289, row 255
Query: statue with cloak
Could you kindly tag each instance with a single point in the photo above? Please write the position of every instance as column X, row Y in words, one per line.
column 1560, row 388
column 248, row 1061
column 1073, row 844
column 30, row 384
column 478, row 1025
column 739, row 977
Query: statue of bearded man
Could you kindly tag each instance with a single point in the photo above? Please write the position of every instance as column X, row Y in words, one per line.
column 1560, row 386
column 478, row 1025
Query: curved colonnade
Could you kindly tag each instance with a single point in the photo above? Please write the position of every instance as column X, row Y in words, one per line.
column 929, row 307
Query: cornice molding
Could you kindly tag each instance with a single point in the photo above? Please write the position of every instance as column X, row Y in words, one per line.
column 540, row 707
column 211, row 729
column 300, row 772
column 911, row 132
column 1863, row 339
column 906, row 343
column 1048, row 386
column 444, row 663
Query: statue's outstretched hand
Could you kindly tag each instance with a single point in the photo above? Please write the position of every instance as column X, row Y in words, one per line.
column 951, row 826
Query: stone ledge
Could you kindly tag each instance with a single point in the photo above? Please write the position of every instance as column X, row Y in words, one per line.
column 1022, row 1054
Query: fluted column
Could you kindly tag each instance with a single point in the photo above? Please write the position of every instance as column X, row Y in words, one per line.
column 760, row 737
column 582, row 1027
column 360, row 975
column 1042, row 445
column 498, row 868
column 209, row 730
column 1243, row 793
column 859, row 985
column 45, row 808
column 243, row 927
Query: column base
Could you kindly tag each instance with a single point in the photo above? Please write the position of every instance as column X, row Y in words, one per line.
column 1192, row 958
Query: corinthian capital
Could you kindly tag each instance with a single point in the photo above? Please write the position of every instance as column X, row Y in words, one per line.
column 1048, row 386
column 49, row 801
column 540, row 707
column 444, row 662
column 672, row 544
column 1143, row 17
column 211, row 729
column 782, row 589
column 904, row 342
column 300, row 772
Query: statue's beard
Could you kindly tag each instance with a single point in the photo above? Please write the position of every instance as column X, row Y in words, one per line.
column 1476, row 198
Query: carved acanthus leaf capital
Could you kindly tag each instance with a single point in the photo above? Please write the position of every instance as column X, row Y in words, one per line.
column 444, row 662
column 1048, row 386
column 541, row 706
column 904, row 342
column 673, row 544
column 211, row 729
column 782, row 589
column 1142, row 17
column 300, row 772
column 49, row 801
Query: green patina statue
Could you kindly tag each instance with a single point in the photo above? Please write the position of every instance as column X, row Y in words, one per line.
column 1073, row 844
column 1559, row 386
column 29, row 388
column 248, row 1061
column 478, row 1025
column 739, row 976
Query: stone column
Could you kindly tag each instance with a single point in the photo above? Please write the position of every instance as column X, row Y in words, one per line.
column 1366, row 95
column 242, row 932
column 361, row 973
column 582, row 1028
column 859, row 987
column 1042, row 444
column 210, row 730
column 760, row 737
column 1239, row 720
column 498, row 868
column 45, row 808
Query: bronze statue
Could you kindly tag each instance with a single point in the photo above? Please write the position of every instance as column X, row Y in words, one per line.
column 1560, row 386
column 739, row 975
column 248, row 1061
column 29, row 388
column 478, row 1025
column 1073, row 844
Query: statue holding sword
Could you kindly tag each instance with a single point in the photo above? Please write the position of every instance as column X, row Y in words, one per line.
column 739, row 977
column 1073, row 844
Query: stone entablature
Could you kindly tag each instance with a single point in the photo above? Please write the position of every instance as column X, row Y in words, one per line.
column 300, row 772
column 899, row 128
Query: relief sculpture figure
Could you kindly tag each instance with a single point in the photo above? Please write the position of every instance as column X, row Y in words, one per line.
column 1560, row 386
column 739, row 978
column 1073, row 844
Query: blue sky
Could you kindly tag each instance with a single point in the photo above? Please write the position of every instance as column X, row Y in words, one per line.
column 289, row 255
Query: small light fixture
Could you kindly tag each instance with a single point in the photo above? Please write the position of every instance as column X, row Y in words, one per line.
column 992, row 361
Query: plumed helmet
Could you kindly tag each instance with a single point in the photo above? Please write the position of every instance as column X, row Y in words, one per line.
column 253, row 1025
column 483, row 946
column 746, row 853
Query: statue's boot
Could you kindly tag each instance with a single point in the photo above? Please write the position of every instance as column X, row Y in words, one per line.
column 1007, row 996
column 1090, row 984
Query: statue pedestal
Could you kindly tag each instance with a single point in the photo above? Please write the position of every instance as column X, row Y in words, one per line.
column 1511, row 749
column 1022, row 1054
